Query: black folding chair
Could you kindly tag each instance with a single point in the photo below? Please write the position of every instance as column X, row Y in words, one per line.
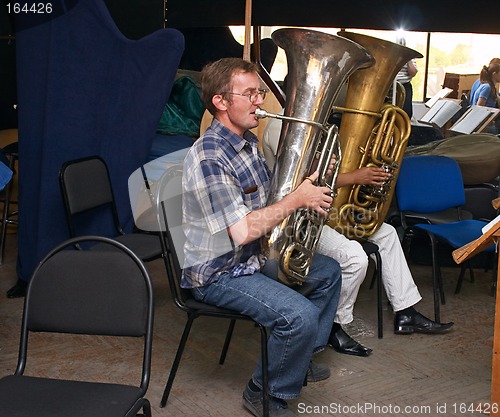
column 86, row 189
column 169, row 206
column 95, row 293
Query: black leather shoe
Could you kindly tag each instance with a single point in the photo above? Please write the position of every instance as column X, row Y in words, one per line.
column 343, row 343
column 18, row 290
column 417, row 323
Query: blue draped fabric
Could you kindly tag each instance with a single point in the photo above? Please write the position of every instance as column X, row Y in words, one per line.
column 84, row 89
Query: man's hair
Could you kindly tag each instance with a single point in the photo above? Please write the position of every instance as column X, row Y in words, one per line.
column 217, row 78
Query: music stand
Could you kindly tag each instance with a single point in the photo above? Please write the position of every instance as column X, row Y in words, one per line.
column 441, row 113
column 491, row 236
column 475, row 120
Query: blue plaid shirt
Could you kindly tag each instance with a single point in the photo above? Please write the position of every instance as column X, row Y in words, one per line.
column 225, row 178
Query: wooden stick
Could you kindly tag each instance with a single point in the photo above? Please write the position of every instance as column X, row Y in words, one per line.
column 476, row 246
column 248, row 29
column 495, row 362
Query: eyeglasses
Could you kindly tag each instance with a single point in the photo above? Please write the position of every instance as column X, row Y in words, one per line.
column 253, row 96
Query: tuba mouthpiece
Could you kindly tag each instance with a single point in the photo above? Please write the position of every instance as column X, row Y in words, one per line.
column 261, row 113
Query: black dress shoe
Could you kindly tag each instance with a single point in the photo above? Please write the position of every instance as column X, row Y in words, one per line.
column 343, row 343
column 18, row 290
column 417, row 323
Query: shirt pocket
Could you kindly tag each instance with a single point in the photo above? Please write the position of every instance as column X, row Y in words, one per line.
column 252, row 198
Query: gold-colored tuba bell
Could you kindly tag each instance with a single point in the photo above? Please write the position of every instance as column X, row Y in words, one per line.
column 371, row 134
column 318, row 65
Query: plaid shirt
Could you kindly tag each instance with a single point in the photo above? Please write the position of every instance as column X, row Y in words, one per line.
column 225, row 178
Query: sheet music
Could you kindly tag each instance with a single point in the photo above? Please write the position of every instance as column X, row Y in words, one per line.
column 491, row 224
column 471, row 120
column 441, row 112
column 445, row 92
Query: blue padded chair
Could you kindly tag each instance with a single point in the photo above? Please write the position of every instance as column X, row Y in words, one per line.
column 430, row 184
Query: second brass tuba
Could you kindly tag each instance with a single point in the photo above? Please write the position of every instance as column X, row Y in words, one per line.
column 371, row 134
column 318, row 65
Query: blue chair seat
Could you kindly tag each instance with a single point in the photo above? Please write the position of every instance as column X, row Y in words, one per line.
column 457, row 234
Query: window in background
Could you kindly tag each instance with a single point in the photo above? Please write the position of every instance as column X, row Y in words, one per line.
column 454, row 53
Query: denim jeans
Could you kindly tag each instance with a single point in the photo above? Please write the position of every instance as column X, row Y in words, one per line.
column 299, row 326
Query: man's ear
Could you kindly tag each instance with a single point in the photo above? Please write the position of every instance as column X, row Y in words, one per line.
column 219, row 102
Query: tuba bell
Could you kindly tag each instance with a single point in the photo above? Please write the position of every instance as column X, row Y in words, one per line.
column 371, row 134
column 318, row 65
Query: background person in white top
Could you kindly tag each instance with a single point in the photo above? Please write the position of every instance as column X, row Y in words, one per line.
column 398, row 282
column 405, row 75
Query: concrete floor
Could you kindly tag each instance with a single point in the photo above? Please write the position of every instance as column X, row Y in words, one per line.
column 413, row 375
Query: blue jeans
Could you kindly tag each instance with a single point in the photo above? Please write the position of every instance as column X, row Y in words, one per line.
column 299, row 326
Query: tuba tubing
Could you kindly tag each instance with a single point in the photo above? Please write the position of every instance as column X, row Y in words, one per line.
column 371, row 134
column 318, row 65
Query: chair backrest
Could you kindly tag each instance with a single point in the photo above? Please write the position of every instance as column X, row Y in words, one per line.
column 478, row 201
column 428, row 184
column 90, row 292
column 169, row 213
column 86, row 186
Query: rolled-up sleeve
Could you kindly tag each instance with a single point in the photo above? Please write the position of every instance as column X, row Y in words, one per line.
column 220, row 196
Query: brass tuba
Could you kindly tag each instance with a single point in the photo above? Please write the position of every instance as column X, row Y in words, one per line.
column 318, row 65
column 371, row 134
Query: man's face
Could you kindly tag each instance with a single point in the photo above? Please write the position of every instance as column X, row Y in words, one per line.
column 240, row 109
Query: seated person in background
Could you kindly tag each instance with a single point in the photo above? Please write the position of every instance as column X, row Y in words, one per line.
column 225, row 186
column 484, row 93
column 400, row 288
column 477, row 83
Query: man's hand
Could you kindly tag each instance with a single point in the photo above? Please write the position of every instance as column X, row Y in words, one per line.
column 331, row 167
column 362, row 176
column 371, row 175
column 312, row 196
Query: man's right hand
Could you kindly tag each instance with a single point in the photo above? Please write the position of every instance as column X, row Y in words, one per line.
column 312, row 196
column 371, row 175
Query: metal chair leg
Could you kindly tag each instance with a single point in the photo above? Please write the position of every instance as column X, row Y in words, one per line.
column 177, row 360
column 229, row 334
column 372, row 249
column 263, row 348
column 436, row 280
column 265, row 379
column 378, row 274
column 458, row 287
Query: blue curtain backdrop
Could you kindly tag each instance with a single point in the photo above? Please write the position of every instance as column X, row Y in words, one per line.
column 83, row 89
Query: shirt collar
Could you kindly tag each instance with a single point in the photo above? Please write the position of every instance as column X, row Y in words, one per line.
column 236, row 141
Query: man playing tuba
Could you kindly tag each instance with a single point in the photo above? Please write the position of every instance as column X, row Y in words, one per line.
column 225, row 184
